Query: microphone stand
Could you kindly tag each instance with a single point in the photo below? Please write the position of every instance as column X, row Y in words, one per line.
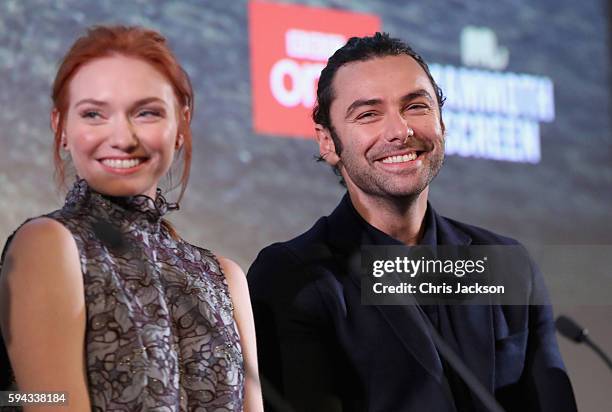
column 599, row 351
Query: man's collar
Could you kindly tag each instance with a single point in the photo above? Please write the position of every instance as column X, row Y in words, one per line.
column 349, row 229
column 429, row 231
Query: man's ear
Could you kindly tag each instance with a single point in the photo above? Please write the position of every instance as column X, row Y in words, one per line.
column 327, row 148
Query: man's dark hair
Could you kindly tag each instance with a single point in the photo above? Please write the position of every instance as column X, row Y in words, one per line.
column 361, row 49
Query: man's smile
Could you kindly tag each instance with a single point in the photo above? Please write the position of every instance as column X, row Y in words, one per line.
column 400, row 158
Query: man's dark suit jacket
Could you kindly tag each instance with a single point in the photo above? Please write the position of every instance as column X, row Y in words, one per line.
column 322, row 350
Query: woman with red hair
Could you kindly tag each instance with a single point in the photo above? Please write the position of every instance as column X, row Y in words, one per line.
column 102, row 299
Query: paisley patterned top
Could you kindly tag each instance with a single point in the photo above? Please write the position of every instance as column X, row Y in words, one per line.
column 160, row 329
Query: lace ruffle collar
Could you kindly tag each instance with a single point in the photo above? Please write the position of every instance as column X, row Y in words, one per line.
column 132, row 208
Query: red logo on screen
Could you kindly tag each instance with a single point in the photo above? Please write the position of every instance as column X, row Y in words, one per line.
column 290, row 44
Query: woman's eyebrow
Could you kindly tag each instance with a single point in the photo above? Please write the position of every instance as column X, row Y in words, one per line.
column 91, row 101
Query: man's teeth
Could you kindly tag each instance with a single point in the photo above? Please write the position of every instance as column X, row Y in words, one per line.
column 121, row 163
column 400, row 159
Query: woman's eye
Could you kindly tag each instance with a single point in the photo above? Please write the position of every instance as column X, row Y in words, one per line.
column 90, row 114
column 149, row 113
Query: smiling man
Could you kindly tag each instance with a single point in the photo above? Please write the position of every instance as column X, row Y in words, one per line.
column 379, row 125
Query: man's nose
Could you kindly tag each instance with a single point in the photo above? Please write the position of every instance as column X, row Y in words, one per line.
column 396, row 127
column 124, row 136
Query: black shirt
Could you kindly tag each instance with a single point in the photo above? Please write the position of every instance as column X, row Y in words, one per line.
column 437, row 315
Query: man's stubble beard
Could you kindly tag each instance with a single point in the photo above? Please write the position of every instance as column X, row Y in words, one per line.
column 382, row 186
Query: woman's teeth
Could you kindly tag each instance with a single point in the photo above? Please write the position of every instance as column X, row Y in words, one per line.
column 400, row 159
column 121, row 163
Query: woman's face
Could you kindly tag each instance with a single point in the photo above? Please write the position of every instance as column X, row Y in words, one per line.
column 121, row 126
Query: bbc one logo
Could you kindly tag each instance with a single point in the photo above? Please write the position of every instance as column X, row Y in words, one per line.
column 289, row 46
column 300, row 44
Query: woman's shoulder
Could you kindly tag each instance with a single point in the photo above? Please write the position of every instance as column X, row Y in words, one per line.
column 39, row 247
column 54, row 227
column 222, row 266
column 235, row 278
column 40, row 231
column 195, row 252
column 230, row 268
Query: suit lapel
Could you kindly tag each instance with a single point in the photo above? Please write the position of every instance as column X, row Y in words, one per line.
column 474, row 340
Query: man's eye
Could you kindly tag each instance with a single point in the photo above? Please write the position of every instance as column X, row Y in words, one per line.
column 417, row 106
column 366, row 115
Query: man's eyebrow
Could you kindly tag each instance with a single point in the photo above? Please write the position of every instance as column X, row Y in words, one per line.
column 361, row 102
column 372, row 102
column 416, row 94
